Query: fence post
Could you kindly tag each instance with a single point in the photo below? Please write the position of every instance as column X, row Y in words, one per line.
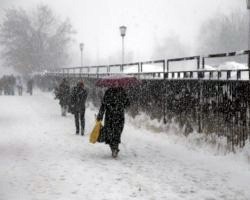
column 203, row 62
column 249, row 64
column 165, row 92
column 198, row 62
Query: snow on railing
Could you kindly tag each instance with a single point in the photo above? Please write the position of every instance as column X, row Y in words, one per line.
column 159, row 69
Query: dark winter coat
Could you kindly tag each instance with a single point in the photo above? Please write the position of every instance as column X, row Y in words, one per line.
column 30, row 85
column 78, row 99
column 63, row 93
column 113, row 105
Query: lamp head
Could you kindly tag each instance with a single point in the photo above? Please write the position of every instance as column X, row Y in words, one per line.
column 248, row 4
column 123, row 30
column 81, row 46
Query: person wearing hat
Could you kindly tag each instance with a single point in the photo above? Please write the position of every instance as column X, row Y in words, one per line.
column 78, row 99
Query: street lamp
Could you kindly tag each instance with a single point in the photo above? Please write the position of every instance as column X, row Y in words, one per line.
column 81, row 49
column 248, row 7
column 123, row 33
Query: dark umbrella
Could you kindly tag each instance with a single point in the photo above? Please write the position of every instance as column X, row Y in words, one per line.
column 124, row 81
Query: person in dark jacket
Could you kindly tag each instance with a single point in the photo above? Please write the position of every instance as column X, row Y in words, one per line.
column 78, row 99
column 113, row 105
column 63, row 94
column 30, row 86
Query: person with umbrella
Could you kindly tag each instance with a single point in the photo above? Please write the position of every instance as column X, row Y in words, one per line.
column 113, row 105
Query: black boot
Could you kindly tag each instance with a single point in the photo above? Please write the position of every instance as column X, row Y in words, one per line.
column 82, row 132
column 115, row 153
column 115, row 150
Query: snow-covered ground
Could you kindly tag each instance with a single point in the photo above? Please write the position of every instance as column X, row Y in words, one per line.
column 42, row 159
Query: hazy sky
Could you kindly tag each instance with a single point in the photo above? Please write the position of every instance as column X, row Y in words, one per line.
column 148, row 22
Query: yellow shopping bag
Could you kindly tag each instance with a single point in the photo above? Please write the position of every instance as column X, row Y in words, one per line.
column 95, row 132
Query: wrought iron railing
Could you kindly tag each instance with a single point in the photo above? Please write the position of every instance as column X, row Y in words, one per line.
column 144, row 70
column 210, row 101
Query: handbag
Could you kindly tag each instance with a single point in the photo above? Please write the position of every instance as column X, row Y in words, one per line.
column 102, row 135
column 95, row 132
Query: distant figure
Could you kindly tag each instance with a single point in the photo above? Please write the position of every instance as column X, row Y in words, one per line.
column 8, row 83
column 30, row 86
column 63, row 94
column 113, row 105
column 19, row 86
column 5, row 85
column 12, row 84
column 1, row 86
column 78, row 99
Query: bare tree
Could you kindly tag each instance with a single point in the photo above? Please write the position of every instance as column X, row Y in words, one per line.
column 224, row 33
column 34, row 41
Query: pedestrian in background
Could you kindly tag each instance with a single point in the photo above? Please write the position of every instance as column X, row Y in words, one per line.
column 63, row 94
column 30, row 86
column 78, row 99
column 19, row 86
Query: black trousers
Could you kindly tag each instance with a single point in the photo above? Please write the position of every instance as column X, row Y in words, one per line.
column 80, row 119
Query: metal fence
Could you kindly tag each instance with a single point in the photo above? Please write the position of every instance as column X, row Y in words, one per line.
column 210, row 101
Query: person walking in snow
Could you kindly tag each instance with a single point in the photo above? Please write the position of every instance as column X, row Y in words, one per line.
column 78, row 99
column 63, row 94
column 113, row 105
column 19, row 86
column 30, row 86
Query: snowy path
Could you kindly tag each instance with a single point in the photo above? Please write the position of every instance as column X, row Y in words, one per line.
column 42, row 159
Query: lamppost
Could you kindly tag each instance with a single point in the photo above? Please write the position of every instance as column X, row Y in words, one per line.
column 248, row 7
column 123, row 33
column 81, row 49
